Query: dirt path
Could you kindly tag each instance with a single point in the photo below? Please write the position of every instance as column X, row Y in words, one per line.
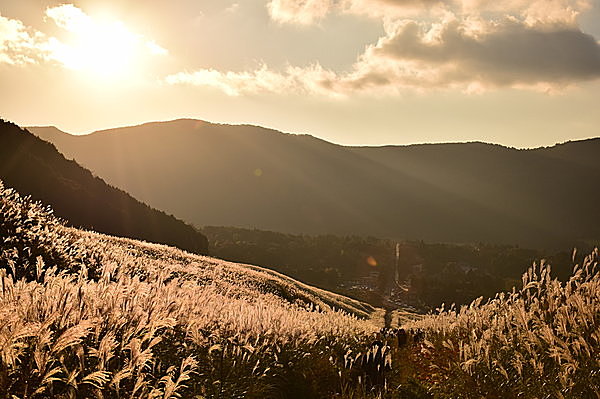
column 388, row 318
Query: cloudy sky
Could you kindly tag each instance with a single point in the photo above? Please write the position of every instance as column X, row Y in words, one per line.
column 522, row 73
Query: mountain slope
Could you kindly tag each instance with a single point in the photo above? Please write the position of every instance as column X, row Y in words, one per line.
column 249, row 176
column 583, row 152
column 539, row 188
column 36, row 168
column 117, row 317
column 89, row 315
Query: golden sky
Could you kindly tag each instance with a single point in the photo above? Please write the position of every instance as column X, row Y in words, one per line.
column 521, row 73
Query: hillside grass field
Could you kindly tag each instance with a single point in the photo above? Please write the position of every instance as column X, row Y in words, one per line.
column 91, row 315
column 85, row 315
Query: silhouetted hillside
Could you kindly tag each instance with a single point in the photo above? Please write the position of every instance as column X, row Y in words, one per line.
column 584, row 152
column 34, row 167
column 248, row 176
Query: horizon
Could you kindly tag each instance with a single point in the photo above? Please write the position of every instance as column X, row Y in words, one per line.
column 312, row 135
column 523, row 74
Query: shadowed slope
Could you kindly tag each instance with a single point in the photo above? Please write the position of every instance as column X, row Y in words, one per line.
column 36, row 168
column 255, row 177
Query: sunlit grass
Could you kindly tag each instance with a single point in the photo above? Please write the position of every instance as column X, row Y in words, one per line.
column 92, row 316
column 541, row 341
column 155, row 321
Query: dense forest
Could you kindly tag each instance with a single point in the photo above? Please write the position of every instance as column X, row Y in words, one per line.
column 431, row 273
column 34, row 167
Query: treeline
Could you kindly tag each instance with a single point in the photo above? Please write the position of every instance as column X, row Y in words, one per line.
column 325, row 260
column 34, row 167
column 432, row 273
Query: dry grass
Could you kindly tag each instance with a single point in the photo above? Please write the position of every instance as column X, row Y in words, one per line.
column 542, row 341
column 84, row 315
column 159, row 322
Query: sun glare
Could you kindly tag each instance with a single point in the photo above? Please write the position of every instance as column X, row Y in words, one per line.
column 106, row 50
column 103, row 48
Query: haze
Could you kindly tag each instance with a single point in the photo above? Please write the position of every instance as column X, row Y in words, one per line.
column 519, row 73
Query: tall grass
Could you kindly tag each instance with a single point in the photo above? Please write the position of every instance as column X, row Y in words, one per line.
column 84, row 315
column 30, row 234
column 158, row 322
column 542, row 341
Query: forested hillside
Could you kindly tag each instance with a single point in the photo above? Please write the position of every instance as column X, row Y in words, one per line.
column 34, row 167
column 431, row 272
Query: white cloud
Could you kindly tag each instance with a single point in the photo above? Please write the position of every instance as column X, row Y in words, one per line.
column 473, row 45
column 69, row 18
column 155, row 49
column 470, row 54
column 93, row 44
column 233, row 83
column 20, row 45
column 377, row 77
column 499, row 53
column 534, row 11
column 302, row 12
column 309, row 80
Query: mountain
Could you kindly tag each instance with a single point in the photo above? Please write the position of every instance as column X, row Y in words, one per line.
column 248, row 176
column 583, row 152
column 34, row 167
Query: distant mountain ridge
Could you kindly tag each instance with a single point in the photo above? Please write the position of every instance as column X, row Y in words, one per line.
column 35, row 167
column 249, row 176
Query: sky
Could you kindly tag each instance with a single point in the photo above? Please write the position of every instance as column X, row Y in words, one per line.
column 521, row 73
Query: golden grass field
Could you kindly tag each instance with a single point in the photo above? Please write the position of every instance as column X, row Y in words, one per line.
column 85, row 315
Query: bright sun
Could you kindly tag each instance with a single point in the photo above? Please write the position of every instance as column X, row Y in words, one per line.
column 107, row 50
column 103, row 48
